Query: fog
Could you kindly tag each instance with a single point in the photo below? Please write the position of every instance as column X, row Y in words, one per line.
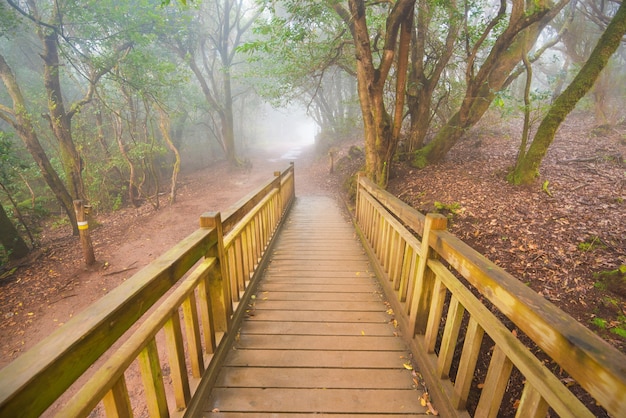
column 282, row 133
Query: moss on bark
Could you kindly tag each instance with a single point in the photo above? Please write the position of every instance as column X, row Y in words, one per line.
column 527, row 168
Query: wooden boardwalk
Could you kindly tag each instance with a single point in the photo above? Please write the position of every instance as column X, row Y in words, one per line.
column 318, row 338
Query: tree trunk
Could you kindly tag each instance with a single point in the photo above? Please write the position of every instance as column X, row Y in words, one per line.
column 528, row 168
column 519, row 36
column 421, row 86
column 132, row 188
column 227, row 121
column 476, row 102
column 377, row 123
column 164, row 126
column 226, row 113
column 26, row 131
column 18, row 212
column 527, row 103
column 60, row 120
column 10, row 239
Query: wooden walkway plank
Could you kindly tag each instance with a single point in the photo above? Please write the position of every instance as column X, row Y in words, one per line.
column 318, row 338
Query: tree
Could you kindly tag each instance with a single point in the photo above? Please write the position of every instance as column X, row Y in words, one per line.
column 209, row 47
column 430, row 56
column 10, row 239
column 380, row 134
column 9, row 169
column 527, row 168
column 50, row 30
column 300, row 53
column 525, row 23
column 21, row 120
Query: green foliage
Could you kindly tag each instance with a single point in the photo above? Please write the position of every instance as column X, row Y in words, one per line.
column 118, row 202
column 60, row 222
column 545, row 188
column 9, row 21
column 296, row 51
column 420, row 158
column 600, row 285
column 599, row 322
column 448, row 209
column 615, row 326
column 621, row 328
column 590, row 243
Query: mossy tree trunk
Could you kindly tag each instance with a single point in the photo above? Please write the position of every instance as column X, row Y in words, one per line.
column 521, row 33
column 60, row 120
column 10, row 239
column 527, row 168
column 21, row 121
column 423, row 82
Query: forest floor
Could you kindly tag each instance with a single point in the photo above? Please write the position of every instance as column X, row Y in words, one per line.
column 556, row 235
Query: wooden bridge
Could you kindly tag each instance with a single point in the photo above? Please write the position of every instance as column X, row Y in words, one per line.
column 278, row 308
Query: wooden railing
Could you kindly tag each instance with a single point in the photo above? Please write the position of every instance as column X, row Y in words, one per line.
column 423, row 273
column 205, row 277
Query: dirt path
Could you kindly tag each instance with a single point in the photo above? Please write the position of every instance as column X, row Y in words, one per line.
column 40, row 297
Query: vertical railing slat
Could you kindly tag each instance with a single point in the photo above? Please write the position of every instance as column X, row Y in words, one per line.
column 424, row 279
column 434, row 317
column 450, row 337
column 245, row 246
column 532, row 404
column 152, row 378
column 232, row 273
column 192, row 331
column 398, row 253
column 413, row 275
column 240, row 263
column 404, row 272
column 176, row 356
column 495, row 384
column 467, row 364
column 206, row 319
column 116, row 402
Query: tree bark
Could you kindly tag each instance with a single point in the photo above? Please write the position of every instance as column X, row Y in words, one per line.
column 10, row 239
column 528, row 168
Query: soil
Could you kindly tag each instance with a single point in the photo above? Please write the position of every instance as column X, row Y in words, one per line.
column 54, row 284
column 555, row 235
column 558, row 235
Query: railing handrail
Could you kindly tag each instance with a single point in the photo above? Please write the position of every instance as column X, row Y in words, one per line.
column 33, row 382
column 597, row 366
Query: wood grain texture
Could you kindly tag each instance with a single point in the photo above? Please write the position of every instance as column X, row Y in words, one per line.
column 318, row 337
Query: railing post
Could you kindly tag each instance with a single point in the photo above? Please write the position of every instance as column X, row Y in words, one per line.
column 424, row 279
column 357, row 203
column 278, row 210
column 293, row 178
column 83, row 231
column 219, row 286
